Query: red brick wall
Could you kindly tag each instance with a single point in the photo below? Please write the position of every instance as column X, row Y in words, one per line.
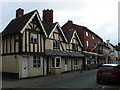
column 92, row 42
column 82, row 34
column 48, row 16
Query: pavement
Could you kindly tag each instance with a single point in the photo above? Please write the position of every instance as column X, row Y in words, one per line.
column 26, row 83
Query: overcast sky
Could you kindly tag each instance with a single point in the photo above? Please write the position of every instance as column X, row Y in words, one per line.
column 100, row 16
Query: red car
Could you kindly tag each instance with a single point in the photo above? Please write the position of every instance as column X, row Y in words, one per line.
column 108, row 72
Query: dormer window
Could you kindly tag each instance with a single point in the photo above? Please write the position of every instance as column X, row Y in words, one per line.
column 75, row 47
column 56, row 44
column 33, row 38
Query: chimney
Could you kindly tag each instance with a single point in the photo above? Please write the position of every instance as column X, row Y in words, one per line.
column 48, row 16
column 108, row 41
column 19, row 12
column 70, row 21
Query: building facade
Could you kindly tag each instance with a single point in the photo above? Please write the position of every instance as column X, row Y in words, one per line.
column 61, row 56
column 32, row 47
column 117, row 48
column 90, row 42
column 113, row 52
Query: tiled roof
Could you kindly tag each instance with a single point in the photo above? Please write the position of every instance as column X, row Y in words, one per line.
column 49, row 27
column 69, row 34
column 17, row 24
column 63, row 53
column 71, row 25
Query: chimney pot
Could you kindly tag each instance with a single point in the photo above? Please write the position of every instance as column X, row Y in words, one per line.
column 19, row 12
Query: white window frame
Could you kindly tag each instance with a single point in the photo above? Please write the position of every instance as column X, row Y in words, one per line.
column 87, row 43
column 38, row 64
column 55, row 62
column 87, row 34
column 93, row 37
column 34, row 36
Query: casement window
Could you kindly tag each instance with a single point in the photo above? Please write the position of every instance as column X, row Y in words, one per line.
column 76, row 63
column 36, row 61
column 56, row 62
column 33, row 38
column 87, row 43
column 75, row 47
column 56, row 44
column 86, row 33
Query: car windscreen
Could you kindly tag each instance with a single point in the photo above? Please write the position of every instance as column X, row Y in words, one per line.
column 106, row 68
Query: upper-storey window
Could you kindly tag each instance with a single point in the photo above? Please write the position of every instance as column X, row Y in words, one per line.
column 86, row 33
column 75, row 47
column 33, row 38
column 56, row 44
column 93, row 37
column 87, row 43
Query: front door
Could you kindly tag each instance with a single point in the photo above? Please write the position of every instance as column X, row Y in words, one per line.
column 25, row 66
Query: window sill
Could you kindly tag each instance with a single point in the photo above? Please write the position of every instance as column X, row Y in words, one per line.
column 36, row 67
column 56, row 67
column 34, row 42
column 76, row 65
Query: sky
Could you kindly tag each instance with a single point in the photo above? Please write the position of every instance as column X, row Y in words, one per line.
column 99, row 16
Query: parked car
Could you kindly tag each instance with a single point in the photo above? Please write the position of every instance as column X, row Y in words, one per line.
column 116, row 62
column 108, row 72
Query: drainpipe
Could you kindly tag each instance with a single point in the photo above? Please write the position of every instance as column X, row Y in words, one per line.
column 43, row 55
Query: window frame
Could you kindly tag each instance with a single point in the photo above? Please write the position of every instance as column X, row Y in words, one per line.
column 75, row 47
column 93, row 37
column 87, row 43
column 34, row 36
column 56, row 44
column 36, row 61
column 54, row 62
column 76, row 62
column 86, row 33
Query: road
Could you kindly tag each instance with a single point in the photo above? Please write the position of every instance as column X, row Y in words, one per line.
column 82, row 81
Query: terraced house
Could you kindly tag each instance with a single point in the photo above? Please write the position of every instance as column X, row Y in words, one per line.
column 32, row 47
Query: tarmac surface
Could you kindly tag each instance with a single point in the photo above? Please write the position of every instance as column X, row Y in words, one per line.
column 26, row 83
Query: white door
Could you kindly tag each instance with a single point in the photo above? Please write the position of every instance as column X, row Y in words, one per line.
column 66, row 66
column 25, row 66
